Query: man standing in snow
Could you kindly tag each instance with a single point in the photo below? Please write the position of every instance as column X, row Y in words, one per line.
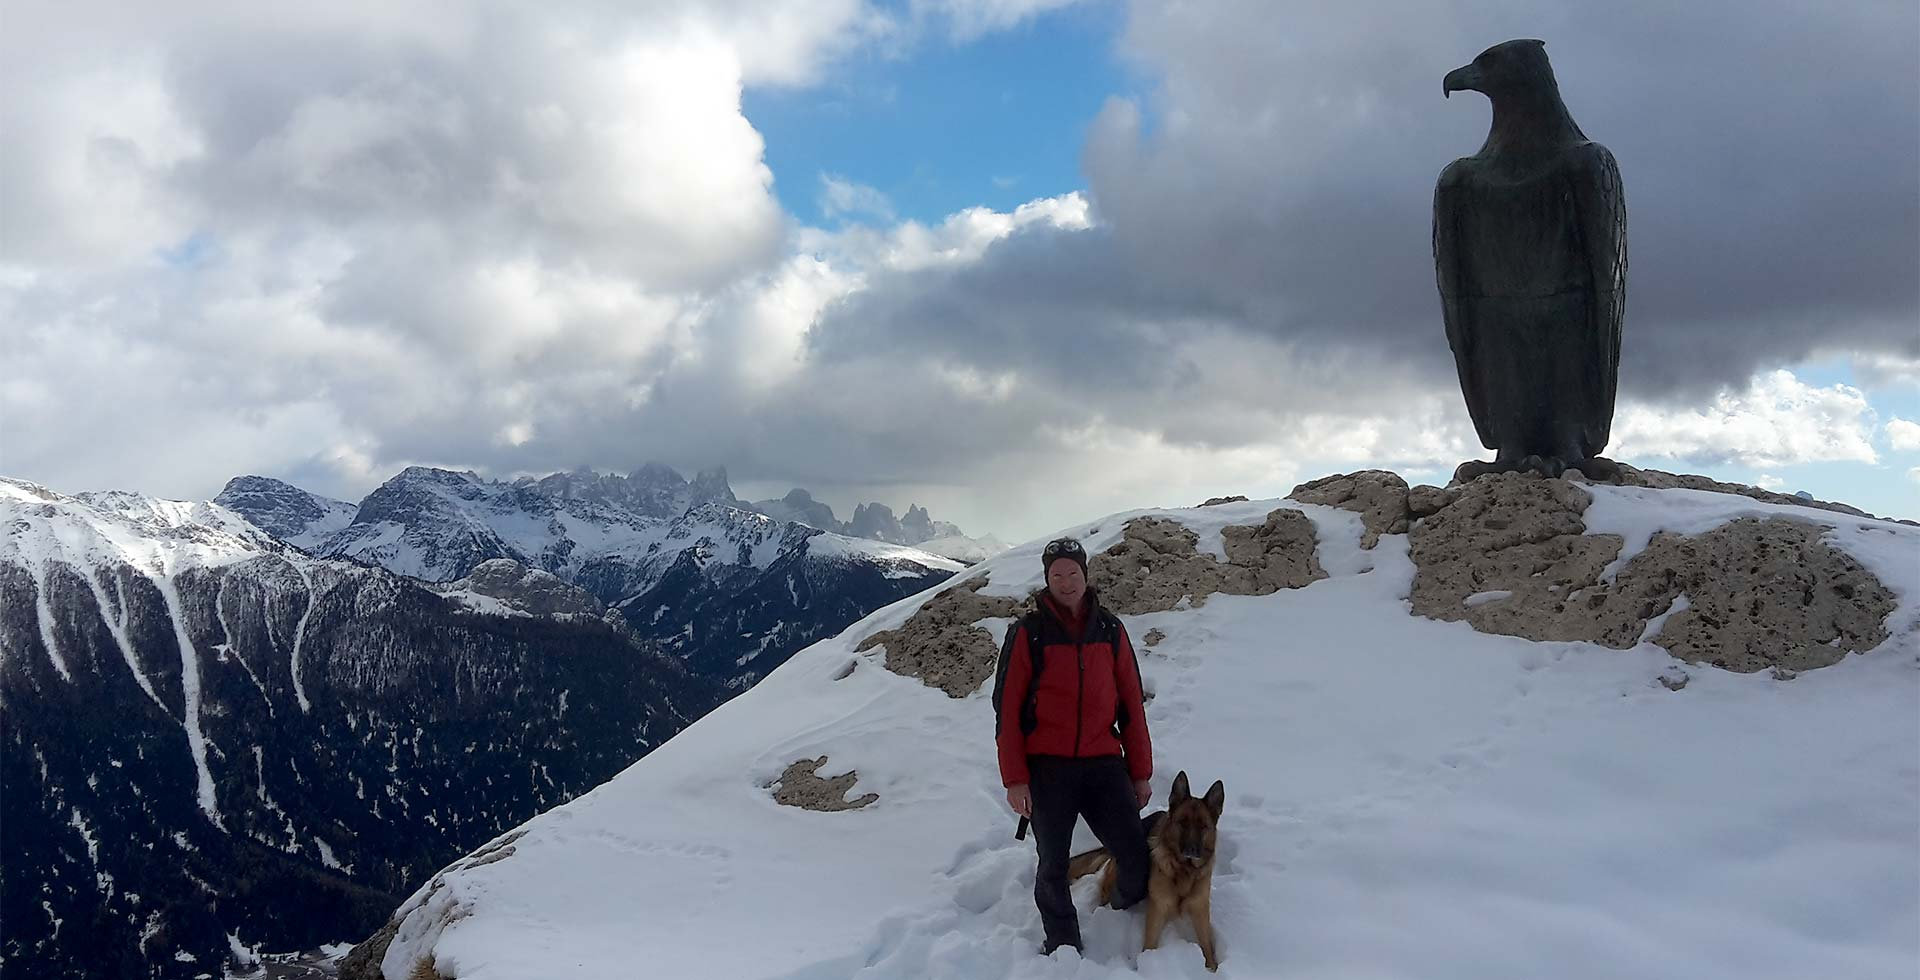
column 1072, row 734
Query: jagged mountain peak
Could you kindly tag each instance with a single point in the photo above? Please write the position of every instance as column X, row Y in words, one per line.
column 711, row 485
column 296, row 516
column 654, row 474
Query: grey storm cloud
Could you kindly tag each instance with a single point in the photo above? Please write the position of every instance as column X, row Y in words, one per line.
column 1279, row 178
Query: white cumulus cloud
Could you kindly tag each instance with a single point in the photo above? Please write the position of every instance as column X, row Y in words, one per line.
column 1777, row 420
column 1903, row 434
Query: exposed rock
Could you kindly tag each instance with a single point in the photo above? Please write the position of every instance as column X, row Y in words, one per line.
column 1155, row 635
column 1425, row 500
column 1157, row 564
column 1515, row 533
column 1378, row 496
column 1153, row 568
column 1762, row 594
column 363, row 961
column 917, row 524
column 876, row 521
column 939, row 643
column 1759, row 593
column 530, row 590
column 1674, row 678
column 710, row 486
column 801, row 786
column 1216, row 501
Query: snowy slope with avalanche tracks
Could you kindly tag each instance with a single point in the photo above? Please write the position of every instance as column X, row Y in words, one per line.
column 1405, row 798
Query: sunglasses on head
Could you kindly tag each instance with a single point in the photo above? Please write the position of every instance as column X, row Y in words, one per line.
column 1063, row 547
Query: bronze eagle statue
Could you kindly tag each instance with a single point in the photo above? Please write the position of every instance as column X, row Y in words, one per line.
column 1530, row 252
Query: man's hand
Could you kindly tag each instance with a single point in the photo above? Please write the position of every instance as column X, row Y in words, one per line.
column 1142, row 792
column 1021, row 799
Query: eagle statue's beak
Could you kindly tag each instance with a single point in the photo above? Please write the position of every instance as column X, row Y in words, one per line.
column 1463, row 79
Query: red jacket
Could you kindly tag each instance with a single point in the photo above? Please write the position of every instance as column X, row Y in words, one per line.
column 1089, row 681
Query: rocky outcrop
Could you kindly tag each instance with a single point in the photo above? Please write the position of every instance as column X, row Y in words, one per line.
column 1157, row 564
column 876, row 521
column 1378, row 496
column 529, row 590
column 363, row 961
column 1155, row 567
column 1761, row 594
column 1510, row 554
column 802, row 786
column 1424, row 500
column 939, row 643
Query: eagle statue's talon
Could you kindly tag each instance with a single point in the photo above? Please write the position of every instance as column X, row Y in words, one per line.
column 1546, row 466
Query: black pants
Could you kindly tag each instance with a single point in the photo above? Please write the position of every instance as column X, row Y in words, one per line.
column 1063, row 791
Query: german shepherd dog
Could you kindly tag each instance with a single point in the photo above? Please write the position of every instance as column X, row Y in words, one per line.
column 1181, row 840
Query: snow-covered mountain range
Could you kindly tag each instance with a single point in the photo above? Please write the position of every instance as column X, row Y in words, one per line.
column 211, row 740
column 227, row 729
column 729, row 590
column 1522, row 728
column 876, row 521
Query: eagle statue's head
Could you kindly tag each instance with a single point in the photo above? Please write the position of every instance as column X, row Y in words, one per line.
column 1507, row 68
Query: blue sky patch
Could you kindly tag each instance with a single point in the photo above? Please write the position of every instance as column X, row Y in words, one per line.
column 996, row 121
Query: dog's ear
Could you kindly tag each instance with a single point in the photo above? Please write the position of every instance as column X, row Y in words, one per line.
column 1216, row 798
column 1180, row 791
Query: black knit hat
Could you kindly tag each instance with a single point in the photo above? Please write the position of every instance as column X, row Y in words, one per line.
column 1063, row 548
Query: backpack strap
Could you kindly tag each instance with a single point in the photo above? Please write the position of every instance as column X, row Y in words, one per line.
column 1035, row 624
column 1036, row 645
column 1110, row 631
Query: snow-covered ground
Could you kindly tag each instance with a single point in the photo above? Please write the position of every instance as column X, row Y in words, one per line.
column 1405, row 798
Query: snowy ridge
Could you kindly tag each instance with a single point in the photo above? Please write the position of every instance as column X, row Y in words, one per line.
column 959, row 547
column 826, row 544
column 437, row 525
column 90, row 530
column 94, row 532
column 1405, row 798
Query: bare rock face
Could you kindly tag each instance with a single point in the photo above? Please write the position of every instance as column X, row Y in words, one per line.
column 531, row 590
column 1378, row 496
column 1762, row 594
column 363, row 961
column 802, row 786
column 1423, row 500
column 1518, row 534
column 1216, row 501
column 1154, row 567
column 1157, row 564
column 1511, row 555
column 939, row 643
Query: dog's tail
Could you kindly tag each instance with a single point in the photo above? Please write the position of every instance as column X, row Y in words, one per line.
column 1086, row 863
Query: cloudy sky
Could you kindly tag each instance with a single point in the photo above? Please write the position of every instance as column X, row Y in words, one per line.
column 1021, row 261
